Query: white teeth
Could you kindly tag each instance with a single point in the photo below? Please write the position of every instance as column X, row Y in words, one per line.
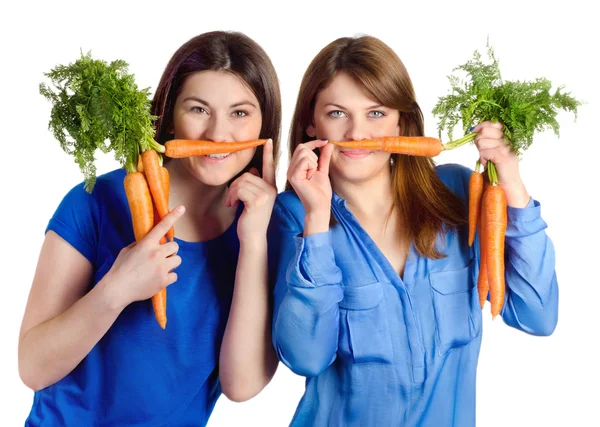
column 218, row 156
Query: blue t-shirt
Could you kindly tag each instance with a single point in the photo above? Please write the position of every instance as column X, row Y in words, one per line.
column 139, row 374
column 383, row 350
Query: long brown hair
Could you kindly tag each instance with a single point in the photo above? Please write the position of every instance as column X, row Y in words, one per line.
column 422, row 199
column 227, row 51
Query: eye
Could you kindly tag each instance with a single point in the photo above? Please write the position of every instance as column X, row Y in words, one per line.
column 376, row 114
column 336, row 114
column 197, row 109
column 240, row 113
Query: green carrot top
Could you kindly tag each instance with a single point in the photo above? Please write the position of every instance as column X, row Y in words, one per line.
column 523, row 107
column 99, row 106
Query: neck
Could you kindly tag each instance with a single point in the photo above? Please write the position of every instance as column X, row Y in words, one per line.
column 369, row 199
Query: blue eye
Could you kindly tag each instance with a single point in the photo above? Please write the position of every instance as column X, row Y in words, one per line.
column 376, row 114
column 336, row 114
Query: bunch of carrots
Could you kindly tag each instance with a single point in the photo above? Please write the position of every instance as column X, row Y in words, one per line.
column 147, row 189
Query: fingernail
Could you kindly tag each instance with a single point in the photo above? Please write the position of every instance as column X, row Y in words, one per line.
column 180, row 209
column 472, row 127
column 325, row 140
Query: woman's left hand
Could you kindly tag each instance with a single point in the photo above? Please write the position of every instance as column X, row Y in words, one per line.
column 492, row 145
column 258, row 195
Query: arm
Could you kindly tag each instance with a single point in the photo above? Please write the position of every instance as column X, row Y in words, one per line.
column 307, row 293
column 61, row 323
column 531, row 302
column 531, row 297
column 247, row 361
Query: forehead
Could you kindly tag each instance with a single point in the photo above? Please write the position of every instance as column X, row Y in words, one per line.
column 344, row 89
column 217, row 85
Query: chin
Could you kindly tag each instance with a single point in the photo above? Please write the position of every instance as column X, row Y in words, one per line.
column 358, row 173
column 216, row 174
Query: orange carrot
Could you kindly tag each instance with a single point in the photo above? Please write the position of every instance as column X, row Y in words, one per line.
column 495, row 222
column 140, row 204
column 140, row 164
column 154, row 175
column 409, row 145
column 483, row 285
column 167, row 186
column 159, row 300
column 178, row 148
column 475, row 194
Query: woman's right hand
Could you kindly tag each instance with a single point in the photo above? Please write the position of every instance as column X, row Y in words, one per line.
column 143, row 268
column 309, row 176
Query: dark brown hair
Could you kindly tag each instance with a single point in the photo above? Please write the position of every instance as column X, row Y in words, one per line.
column 232, row 52
column 422, row 199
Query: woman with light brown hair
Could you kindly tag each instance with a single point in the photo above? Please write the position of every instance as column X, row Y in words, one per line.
column 374, row 298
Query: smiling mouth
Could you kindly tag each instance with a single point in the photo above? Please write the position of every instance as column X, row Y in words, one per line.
column 218, row 156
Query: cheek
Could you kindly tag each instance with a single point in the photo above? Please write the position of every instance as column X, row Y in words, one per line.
column 248, row 129
column 188, row 127
column 329, row 129
column 388, row 127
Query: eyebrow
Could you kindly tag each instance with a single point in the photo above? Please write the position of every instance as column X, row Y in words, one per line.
column 341, row 107
column 237, row 104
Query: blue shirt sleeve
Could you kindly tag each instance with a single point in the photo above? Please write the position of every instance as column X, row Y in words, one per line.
column 531, row 298
column 307, row 292
column 76, row 221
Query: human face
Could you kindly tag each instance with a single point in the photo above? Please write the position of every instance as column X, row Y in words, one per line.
column 216, row 106
column 344, row 111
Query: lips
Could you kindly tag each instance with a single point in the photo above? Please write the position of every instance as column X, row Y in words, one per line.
column 356, row 154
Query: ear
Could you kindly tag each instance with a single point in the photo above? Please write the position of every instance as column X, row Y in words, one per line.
column 311, row 131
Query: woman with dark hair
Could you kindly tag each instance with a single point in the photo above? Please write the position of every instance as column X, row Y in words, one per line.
column 374, row 298
column 89, row 346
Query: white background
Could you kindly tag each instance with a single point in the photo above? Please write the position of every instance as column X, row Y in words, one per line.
column 522, row 380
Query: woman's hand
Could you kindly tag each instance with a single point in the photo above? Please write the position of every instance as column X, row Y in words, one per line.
column 492, row 145
column 143, row 268
column 309, row 176
column 258, row 195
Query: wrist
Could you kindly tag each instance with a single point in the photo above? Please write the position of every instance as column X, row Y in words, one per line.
column 253, row 243
column 109, row 296
column 516, row 195
column 316, row 222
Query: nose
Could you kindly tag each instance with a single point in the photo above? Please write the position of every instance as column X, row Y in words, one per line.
column 356, row 131
column 218, row 130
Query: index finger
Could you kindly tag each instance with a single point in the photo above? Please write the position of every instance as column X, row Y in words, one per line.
column 268, row 167
column 325, row 158
column 165, row 224
column 311, row 145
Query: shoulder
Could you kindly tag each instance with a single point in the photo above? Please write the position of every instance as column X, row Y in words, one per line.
column 81, row 209
column 106, row 186
column 455, row 177
column 288, row 209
